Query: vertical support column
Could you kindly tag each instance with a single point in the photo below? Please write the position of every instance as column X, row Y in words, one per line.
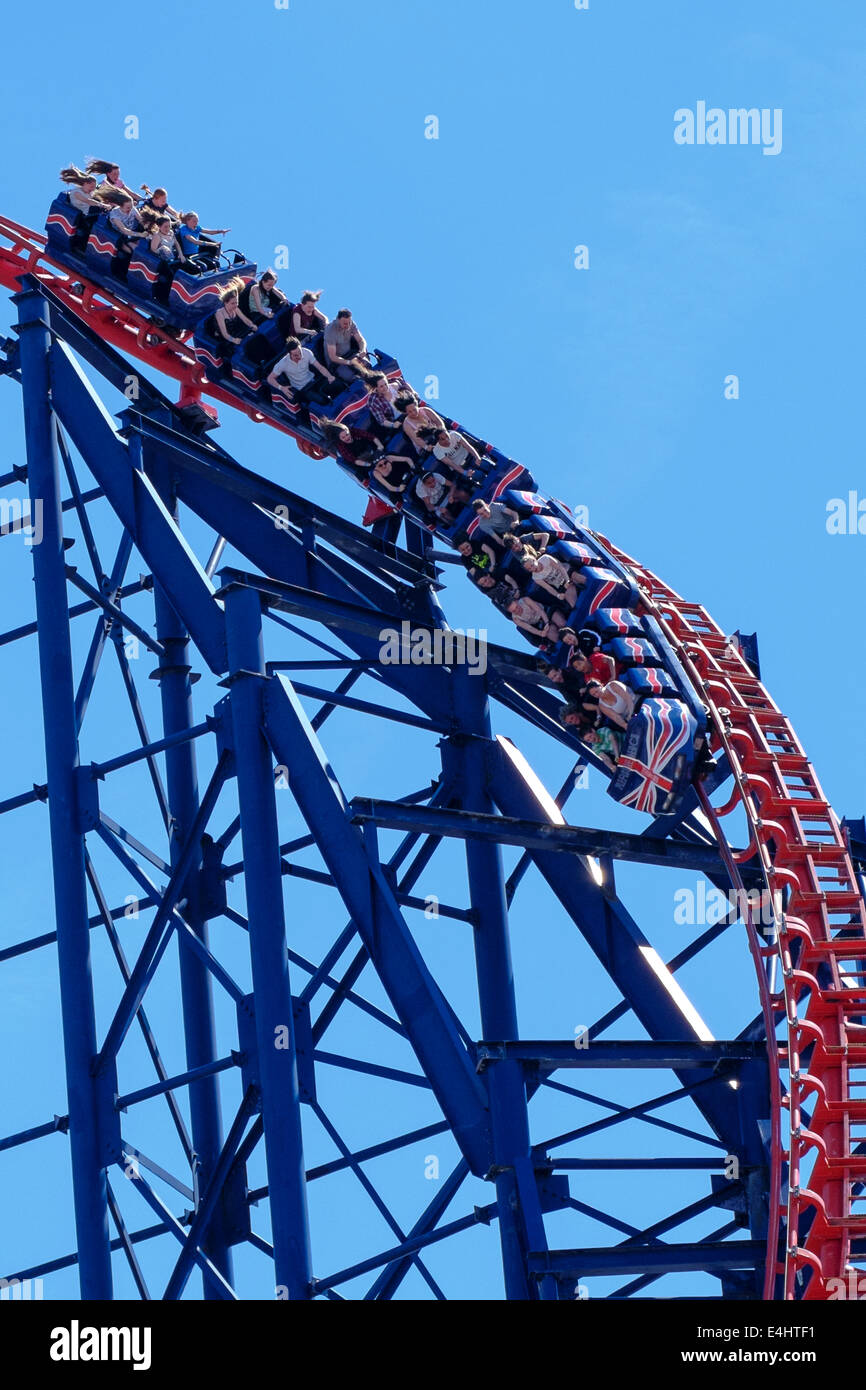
column 508, row 1113
column 89, row 1186
column 278, row 1072
column 196, row 985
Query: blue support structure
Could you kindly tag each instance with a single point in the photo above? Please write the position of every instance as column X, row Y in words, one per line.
column 272, row 998
column 86, row 1098
column 175, row 683
column 521, row 1227
column 376, row 984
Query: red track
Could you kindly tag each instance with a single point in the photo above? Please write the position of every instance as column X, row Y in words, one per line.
column 118, row 324
column 795, row 835
column 801, row 848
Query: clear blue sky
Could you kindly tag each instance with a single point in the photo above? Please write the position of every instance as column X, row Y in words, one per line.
column 305, row 127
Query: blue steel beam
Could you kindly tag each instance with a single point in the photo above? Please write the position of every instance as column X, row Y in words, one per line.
column 664, row 1259
column 86, row 1133
column 464, row 759
column 209, row 1198
column 175, row 687
column 505, row 830
column 604, row 1053
column 115, row 465
column 616, row 939
column 105, row 914
column 165, row 918
column 417, row 1000
column 341, row 579
column 277, row 1066
column 112, row 586
column 375, row 1196
column 206, row 472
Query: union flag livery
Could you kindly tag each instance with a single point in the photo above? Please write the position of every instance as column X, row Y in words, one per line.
column 658, row 745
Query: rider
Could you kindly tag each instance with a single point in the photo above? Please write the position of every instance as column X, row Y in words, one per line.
column 345, row 346
column 193, row 239
column 299, row 369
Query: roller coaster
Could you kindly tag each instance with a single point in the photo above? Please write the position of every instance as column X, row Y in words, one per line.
column 778, row 1125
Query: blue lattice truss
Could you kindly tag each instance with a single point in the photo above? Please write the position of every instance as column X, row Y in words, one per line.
column 317, row 571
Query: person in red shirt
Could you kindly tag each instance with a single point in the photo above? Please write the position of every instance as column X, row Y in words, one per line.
column 584, row 656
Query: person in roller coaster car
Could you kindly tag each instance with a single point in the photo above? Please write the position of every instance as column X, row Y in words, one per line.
column 229, row 323
column 125, row 221
column 417, row 419
column 581, row 714
column 395, row 472
column 525, row 543
column 111, row 182
column 605, row 743
column 539, row 624
column 597, row 711
column 164, row 245
column 307, row 318
column 616, row 704
column 157, row 204
column 195, row 240
column 357, row 448
column 382, row 402
column 555, row 578
column 346, row 347
column 440, row 497
column 570, row 685
column 260, row 300
column 296, row 376
column 581, row 653
column 501, row 592
column 494, row 518
column 81, row 191
column 452, row 449
column 484, row 555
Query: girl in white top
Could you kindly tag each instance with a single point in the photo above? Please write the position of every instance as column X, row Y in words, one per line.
column 162, row 241
column 457, row 452
column 551, row 574
column 124, row 220
column 82, row 189
column 531, row 617
column 617, row 703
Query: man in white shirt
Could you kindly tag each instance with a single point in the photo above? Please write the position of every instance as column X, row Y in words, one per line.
column 300, row 369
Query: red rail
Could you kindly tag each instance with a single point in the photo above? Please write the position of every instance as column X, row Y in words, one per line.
column 24, row 252
column 820, row 940
column 820, row 947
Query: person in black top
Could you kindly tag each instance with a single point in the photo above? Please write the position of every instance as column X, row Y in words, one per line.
column 354, row 447
column 394, row 472
column 501, row 592
column 484, row 554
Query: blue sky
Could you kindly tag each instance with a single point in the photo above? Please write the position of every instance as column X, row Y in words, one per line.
column 305, row 128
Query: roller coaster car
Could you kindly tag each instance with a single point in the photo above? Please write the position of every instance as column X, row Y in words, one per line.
column 191, row 297
column 657, row 758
